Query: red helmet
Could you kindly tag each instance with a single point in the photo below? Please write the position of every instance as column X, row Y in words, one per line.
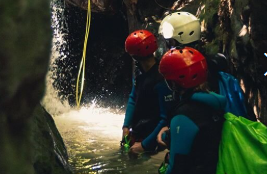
column 141, row 43
column 186, row 67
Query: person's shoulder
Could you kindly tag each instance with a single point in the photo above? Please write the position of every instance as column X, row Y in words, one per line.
column 210, row 98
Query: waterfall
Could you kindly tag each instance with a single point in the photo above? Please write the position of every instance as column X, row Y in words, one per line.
column 51, row 101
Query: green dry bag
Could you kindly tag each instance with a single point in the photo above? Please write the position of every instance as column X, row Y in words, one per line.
column 243, row 148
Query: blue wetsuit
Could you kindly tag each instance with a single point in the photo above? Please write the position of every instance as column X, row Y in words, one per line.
column 195, row 130
column 147, row 105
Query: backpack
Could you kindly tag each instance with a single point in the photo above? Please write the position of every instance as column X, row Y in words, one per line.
column 243, row 147
column 230, row 88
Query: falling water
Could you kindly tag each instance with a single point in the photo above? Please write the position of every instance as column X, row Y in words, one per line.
column 51, row 101
column 92, row 133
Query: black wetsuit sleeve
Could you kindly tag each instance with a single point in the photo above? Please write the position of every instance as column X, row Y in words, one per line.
column 130, row 108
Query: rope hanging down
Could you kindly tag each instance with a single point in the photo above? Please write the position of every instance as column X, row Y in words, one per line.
column 82, row 64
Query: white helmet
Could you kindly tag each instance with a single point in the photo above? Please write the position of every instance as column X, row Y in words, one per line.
column 181, row 26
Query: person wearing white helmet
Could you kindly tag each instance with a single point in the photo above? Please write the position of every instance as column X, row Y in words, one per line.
column 181, row 29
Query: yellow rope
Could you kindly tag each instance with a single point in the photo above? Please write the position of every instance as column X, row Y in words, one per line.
column 82, row 64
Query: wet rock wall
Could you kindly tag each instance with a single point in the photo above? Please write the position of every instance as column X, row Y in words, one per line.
column 108, row 67
column 29, row 140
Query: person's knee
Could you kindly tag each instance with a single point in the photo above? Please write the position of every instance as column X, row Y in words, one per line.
column 179, row 120
column 182, row 132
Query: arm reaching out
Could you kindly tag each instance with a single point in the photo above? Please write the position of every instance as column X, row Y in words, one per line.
column 161, row 133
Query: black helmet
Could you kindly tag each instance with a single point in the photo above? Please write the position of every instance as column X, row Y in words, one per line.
column 217, row 63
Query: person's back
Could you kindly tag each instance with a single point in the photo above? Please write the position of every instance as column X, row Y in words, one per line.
column 146, row 100
column 145, row 112
column 204, row 112
column 196, row 121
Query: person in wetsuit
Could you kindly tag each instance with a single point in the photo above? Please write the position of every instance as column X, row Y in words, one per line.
column 182, row 29
column 195, row 123
column 149, row 98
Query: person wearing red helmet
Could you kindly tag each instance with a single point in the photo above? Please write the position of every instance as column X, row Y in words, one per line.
column 195, row 123
column 180, row 29
column 149, row 98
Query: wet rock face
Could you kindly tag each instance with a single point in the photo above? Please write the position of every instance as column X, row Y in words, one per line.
column 99, row 6
column 238, row 32
column 24, row 55
column 108, row 67
column 25, row 33
column 49, row 152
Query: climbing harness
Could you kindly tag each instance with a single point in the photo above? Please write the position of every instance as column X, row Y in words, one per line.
column 79, row 89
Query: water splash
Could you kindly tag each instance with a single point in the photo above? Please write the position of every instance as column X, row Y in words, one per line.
column 53, row 104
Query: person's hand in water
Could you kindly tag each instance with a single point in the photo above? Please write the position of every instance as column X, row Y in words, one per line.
column 137, row 148
column 159, row 137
